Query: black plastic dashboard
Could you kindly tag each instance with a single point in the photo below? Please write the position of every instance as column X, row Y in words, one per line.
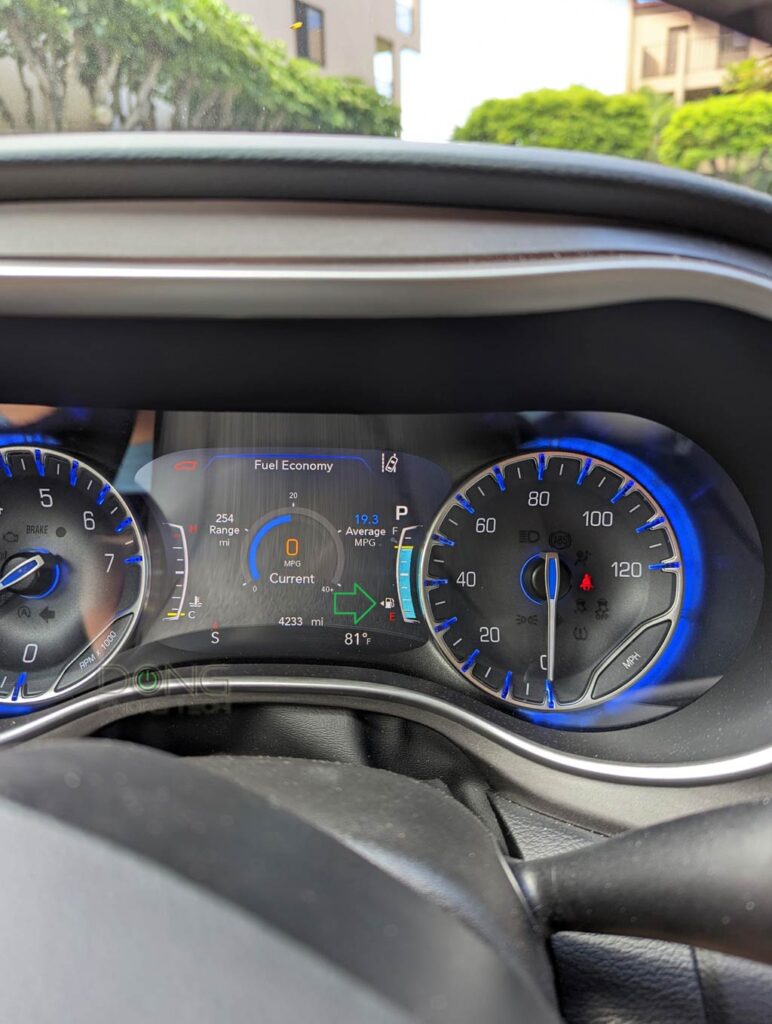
column 293, row 452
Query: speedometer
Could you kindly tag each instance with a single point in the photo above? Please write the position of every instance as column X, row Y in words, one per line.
column 73, row 570
column 552, row 580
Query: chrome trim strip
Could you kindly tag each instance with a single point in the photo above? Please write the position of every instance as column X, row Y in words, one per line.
column 111, row 701
column 481, row 288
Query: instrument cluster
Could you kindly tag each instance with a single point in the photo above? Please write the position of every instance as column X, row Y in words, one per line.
column 575, row 569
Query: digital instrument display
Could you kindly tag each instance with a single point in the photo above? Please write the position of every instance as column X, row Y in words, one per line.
column 584, row 570
column 312, row 552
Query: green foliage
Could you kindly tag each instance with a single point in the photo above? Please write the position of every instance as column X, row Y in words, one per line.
column 661, row 107
column 728, row 136
column 575, row 118
column 353, row 108
column 751, row 75
column 210, row 65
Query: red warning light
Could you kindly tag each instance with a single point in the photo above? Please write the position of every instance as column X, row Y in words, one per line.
column 586, row 583
column 193, row 528
column 186, row 466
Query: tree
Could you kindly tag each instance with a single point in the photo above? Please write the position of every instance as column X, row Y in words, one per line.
column 575, row 118
column 209, row 65
column 751, row 75
column 727, row 136
column 34, row 34
column 661, row 107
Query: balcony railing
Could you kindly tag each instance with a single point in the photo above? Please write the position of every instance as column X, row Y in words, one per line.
column 702, row 53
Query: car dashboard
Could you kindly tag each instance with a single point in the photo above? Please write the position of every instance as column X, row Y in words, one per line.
column 495, row 468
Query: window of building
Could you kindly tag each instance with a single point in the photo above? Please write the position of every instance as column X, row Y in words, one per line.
column 383, row 68
column 674, row 37
column 406, row 16
column 732, row 46
column 310, row 32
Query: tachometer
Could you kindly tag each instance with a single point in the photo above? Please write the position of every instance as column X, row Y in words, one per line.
column 72, row 573
column 552, row 580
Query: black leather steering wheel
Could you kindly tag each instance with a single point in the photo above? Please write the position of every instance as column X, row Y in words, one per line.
column 138, row 882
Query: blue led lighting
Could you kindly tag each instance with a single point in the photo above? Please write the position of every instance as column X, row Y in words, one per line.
column 6, row 468
column 583, row 472
column 19, row 683
column 623, row 490
column 552, row 578
column 692, row 561
column 74, row 473
column 435, row 583
column 51, row 589
column 256, row 540
column 103, row 494
column 498, row 476
column 21, row 570
column 39, row 463
column 507, row 684
column 541, row 465
column 550, row 694
column 523, row 571
column 665, row 565
column 133, row 560
column 465, row 504
column 470, row 660
column 650, row 525
column 438, row 537
column 7, row 438
column 446, row 624
column 13, row 711
column 124, row 523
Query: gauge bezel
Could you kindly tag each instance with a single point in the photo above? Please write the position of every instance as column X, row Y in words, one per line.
column 135, row 609
column 672, row 614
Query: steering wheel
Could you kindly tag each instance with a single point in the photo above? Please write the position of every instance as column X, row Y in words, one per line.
column 139, row 883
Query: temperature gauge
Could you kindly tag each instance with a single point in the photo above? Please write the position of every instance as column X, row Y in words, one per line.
column 177, row 557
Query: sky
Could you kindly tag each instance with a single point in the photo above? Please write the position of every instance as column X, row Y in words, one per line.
column 472, row 50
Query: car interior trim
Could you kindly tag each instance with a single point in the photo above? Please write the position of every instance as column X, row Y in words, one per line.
column 116, row 701
column 532, row 286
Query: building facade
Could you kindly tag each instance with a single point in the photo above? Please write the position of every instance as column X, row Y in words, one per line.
column 364, row 38
column 672, row 51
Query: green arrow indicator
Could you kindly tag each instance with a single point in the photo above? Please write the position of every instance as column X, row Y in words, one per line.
column 360, row 603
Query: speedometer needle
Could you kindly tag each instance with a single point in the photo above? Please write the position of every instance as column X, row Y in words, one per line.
column 21, row 572
column 552, row 588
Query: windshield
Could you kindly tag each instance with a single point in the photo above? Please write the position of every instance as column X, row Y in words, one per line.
column 632, row 78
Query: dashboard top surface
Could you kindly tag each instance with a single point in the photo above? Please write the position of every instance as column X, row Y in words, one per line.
column 234, row 165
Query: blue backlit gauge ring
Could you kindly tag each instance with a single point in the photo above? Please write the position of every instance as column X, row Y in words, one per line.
column 73, row 575
column 552, row 580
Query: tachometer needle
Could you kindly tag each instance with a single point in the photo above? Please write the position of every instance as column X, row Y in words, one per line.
column 21, row 572
column 552, row 588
